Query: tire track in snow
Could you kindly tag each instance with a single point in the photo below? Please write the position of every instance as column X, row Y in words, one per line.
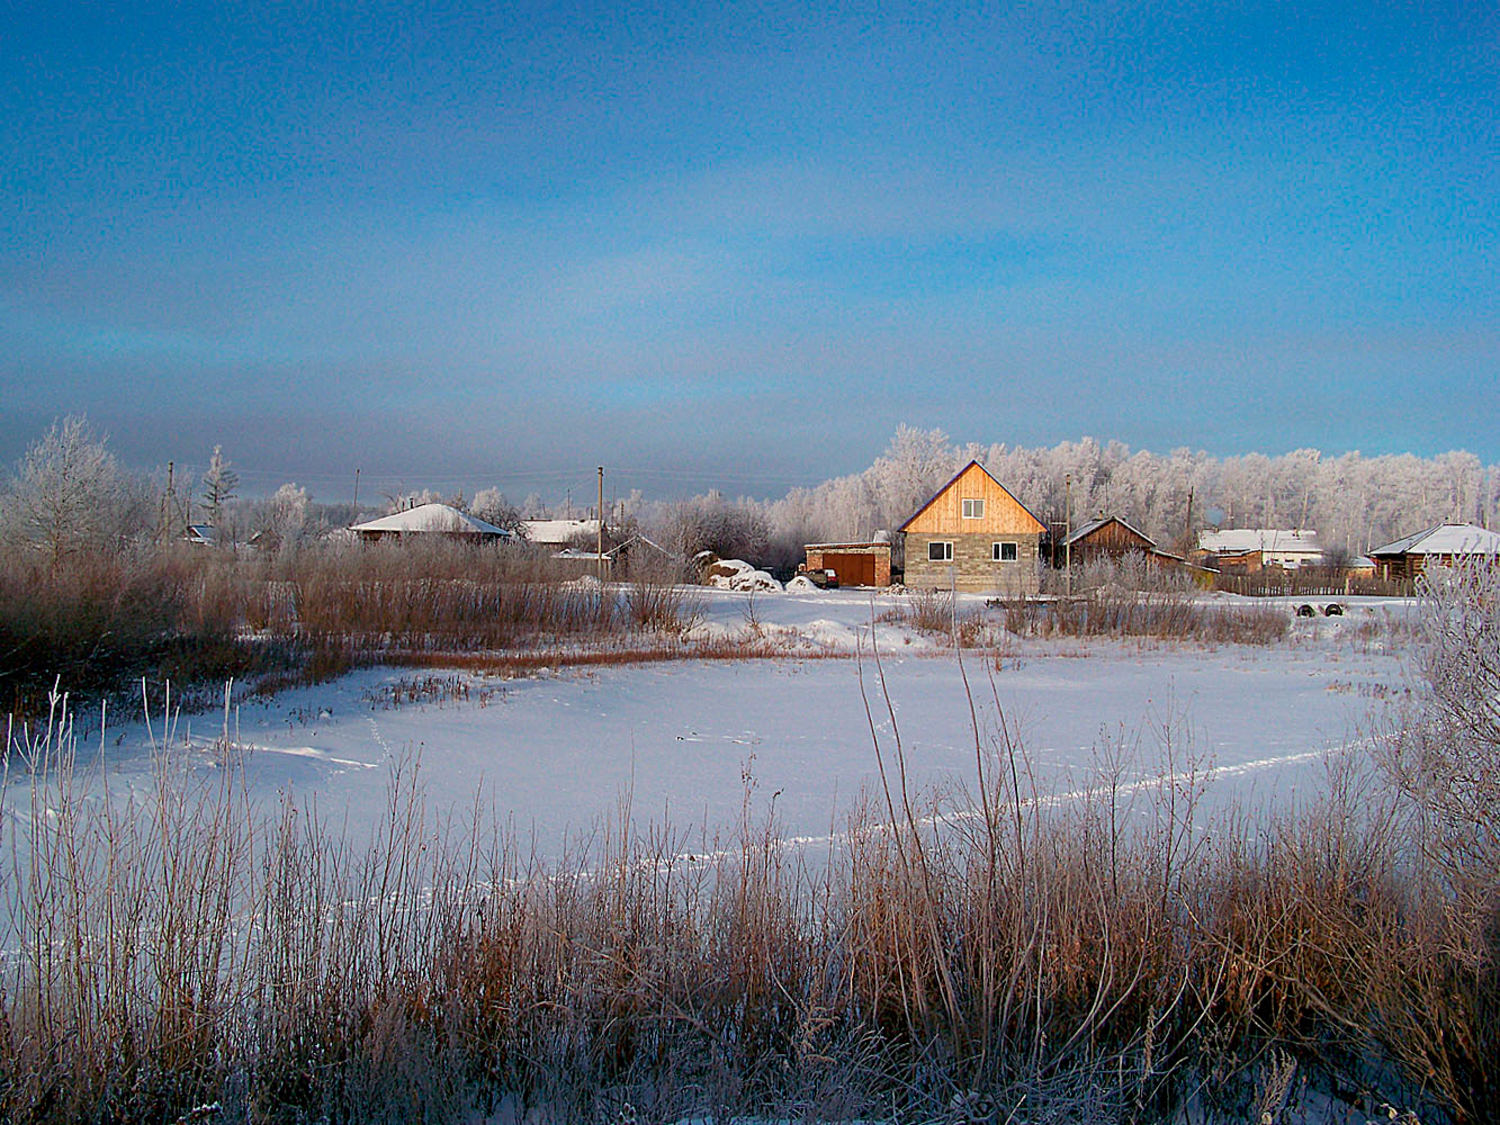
column 1054, row 800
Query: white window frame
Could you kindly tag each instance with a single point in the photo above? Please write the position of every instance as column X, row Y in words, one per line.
column 973, row 508
column 997, row 551
column 944, row 550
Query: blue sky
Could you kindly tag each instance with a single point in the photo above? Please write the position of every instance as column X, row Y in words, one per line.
column 449, row 244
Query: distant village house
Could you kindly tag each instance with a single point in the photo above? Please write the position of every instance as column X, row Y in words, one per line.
column 431, row 521
column 1445, row 544
column 573, row 546
column 559, row 535
column 1249, row 550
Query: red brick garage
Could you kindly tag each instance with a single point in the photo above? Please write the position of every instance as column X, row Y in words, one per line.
column 856, row 564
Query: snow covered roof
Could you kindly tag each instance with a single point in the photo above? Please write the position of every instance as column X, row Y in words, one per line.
column 1445, row 539
column 553, row 532
column 432, row 518
column 1242, row 539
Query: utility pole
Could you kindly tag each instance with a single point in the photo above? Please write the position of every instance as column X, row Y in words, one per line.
column 166, row 507
column 356, row 495
column 1068, row 530
column 1187, row 535
column 599, row 511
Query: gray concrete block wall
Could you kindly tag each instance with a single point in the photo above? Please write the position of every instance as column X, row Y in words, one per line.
column 972, row 569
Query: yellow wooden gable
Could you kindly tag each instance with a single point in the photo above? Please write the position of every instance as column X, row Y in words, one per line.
column 999, row 513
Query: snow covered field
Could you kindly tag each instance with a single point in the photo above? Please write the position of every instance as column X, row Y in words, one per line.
column 557, row 752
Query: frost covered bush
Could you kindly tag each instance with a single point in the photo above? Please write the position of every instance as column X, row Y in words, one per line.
column 1442, row 753
column 1446, row 755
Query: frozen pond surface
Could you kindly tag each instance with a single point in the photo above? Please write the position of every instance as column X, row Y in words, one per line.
column 556, row 753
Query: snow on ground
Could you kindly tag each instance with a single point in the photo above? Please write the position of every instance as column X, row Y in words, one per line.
column 558, row 751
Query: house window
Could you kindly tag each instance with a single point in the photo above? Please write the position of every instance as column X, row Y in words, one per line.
column 940, row 552
column 1004, row 552
column 974, row 509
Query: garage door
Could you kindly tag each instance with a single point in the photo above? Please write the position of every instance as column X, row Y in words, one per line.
column 853, row 570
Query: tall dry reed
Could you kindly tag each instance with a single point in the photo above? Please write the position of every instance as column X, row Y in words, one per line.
column 199, row 616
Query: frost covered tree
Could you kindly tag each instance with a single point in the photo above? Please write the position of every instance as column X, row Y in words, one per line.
column 287, row 514
column 914, row 466
column 68, row 490
column 219, row 485
column 729, row 529
column 490, row 505
column 404, row 499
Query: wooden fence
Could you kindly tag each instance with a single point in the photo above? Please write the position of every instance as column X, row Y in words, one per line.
column 1275, row 582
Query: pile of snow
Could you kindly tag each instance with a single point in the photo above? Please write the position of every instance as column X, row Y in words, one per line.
column 585, row 582
column 801, row 584
column 736, row 574
column 715, row 567
column 750, row 581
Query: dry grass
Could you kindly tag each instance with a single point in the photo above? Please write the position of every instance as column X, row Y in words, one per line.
column 1167, row 610
column 1131, row 598
column 197, row 617
column 517, row 663
column 1169, row 616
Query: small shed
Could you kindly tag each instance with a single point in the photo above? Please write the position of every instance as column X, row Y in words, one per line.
column 431, row 521
column 635, row 558
column 1443, row 544
column 1242, row 563
column 854, row 564
column 640, row 557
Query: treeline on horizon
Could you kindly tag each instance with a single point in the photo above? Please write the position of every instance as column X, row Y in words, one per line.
column 1355, row 503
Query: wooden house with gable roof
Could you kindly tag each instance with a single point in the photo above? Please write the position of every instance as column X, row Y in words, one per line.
column 1444, row 544
column 1110, row 537
column 975, row 536
column 1107, row 537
